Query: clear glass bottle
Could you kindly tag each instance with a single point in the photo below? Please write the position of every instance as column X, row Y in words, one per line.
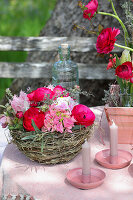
column 65, row 71
column 126, row 99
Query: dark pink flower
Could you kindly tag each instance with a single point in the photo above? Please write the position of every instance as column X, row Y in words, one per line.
column 112, row 62
column 83, row 115
column 124, row 71
column 3, row 121
column 106, row 40
column 35, row 114
column 58, row 90
column 131, row 80
column 31, row 95
column 19, row 114
column 91, row 9
column 41, row 94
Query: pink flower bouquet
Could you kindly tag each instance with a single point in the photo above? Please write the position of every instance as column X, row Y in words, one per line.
column 46, row 114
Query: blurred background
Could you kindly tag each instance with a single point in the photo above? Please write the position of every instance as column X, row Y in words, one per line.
column 21, row 18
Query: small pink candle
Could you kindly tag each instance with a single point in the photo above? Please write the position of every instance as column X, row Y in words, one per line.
column 86, row 161
column 113, row 139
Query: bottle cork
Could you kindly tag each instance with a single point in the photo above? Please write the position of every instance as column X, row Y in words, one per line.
column 64, row 48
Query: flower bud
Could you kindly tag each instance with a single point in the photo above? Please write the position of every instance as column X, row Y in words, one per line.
column 125, row 56
column 19, row 114
column 45, row 107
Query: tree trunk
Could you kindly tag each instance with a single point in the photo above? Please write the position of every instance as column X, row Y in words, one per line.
column 65, row 15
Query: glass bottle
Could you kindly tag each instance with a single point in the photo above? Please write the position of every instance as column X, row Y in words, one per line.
column 126, row 99
column 65, row 71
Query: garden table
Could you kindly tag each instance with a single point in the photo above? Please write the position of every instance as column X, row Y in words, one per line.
column 19, row 175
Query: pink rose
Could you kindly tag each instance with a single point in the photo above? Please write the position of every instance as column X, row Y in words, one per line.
column 35, row 114
column 106, row 40
column 91, row 9
column 124, row 71
column 83, row 115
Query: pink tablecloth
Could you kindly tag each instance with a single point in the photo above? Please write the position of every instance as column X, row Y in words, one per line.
column 20, row 175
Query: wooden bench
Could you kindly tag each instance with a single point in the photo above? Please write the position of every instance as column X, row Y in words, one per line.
column 43, row 69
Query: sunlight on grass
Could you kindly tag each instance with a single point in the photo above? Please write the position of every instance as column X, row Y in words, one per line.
column 21, row 18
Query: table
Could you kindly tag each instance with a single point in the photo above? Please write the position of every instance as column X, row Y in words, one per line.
column 20, row 175
column 4, row 133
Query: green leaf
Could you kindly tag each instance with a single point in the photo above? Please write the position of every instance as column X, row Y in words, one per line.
column 117, row 61
column 77, row 127
column 125, row 56
column 131, row 88
column 1, row 106
column 29, row 137
column 100, row 28
column 120, row 82
column 37, row 130
column 42, row 146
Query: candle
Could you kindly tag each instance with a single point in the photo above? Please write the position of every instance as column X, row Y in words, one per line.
column 86, row 170
column 113, row 139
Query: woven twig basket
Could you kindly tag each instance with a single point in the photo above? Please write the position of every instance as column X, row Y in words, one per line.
column 57, row 147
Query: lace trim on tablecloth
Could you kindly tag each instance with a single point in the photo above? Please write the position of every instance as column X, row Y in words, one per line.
column 18, row 197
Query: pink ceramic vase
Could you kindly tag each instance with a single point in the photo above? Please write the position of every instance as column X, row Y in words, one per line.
column 123, row 118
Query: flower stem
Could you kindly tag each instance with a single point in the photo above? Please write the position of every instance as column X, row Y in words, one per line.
column 113, row 7
column 124, row 47
column 83, row 28
column 120, row 21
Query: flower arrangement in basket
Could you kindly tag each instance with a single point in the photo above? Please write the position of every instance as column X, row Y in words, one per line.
column 47, row 124
column 121, row 95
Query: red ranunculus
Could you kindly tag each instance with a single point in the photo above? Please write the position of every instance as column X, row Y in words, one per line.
column 106, row 40
column 58, row 91
column 19, row 114
column 131, row 80
column 83, row 115
column 42, row 93
column 112, row 62
column 124, row 71
column 91, row 9
column 36, row 115
column 31, row 95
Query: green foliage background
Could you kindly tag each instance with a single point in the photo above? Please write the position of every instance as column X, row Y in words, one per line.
column 21, row 18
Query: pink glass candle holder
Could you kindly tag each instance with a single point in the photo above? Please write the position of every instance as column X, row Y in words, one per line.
column 122, row 160
column 78, row 180
column 113, row 158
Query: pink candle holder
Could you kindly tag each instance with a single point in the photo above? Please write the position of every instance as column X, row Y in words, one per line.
column 78, row 180
column 122, row 160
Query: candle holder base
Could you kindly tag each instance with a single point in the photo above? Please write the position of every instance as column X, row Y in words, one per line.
column 113, row 162
column 75, row 177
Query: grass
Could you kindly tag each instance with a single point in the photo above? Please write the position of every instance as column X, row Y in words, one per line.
column 21, row 18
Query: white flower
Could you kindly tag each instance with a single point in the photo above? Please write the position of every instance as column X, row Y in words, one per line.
column 65, row 103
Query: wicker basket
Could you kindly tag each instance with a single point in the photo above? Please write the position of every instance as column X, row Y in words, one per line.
column 52, row 148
